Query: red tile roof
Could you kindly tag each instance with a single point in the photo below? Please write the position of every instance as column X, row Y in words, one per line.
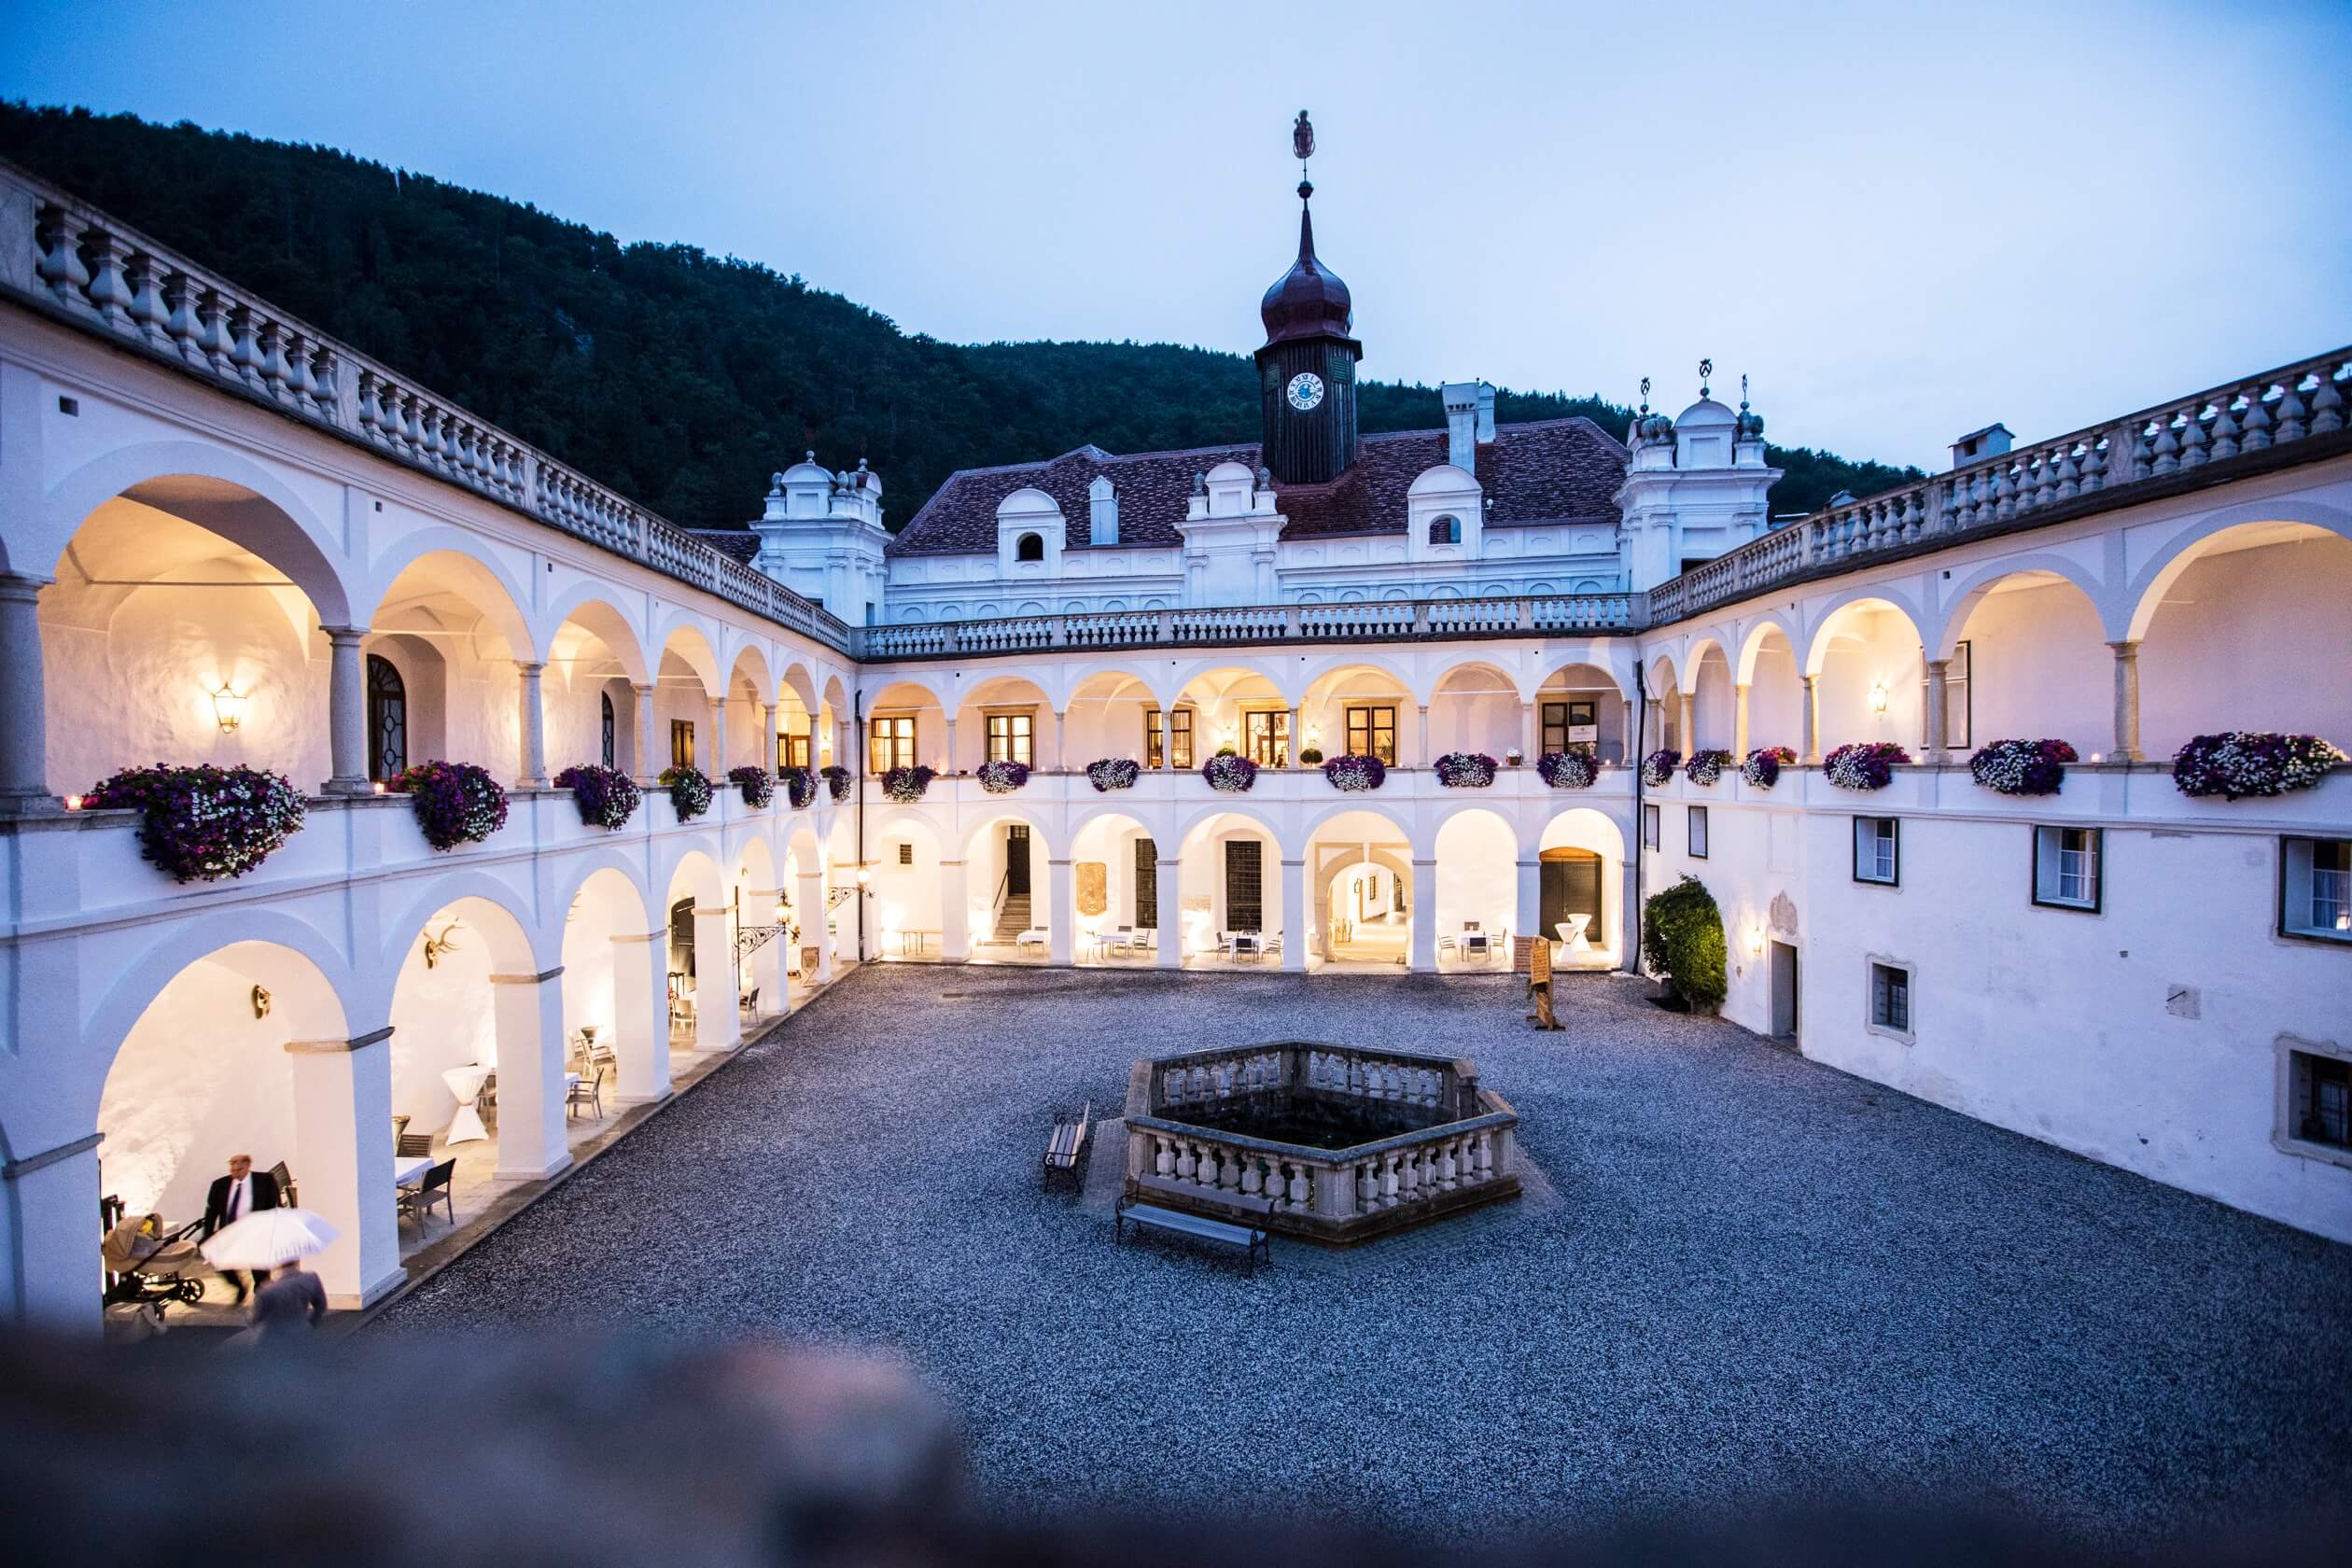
column 1545, row 472
column 741, row 543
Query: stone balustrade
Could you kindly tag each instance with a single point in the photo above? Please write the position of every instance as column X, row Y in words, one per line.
column 64, row 255
column 1189, row 1146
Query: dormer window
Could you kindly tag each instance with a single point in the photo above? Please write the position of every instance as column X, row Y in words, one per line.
column 1029, row 547
column 1445, row 530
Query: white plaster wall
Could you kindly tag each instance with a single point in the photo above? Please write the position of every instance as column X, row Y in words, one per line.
column 1776, row 699
column 1096, row 728
column 1477, row 874
column 441, row 1018
column 1711, row 703
column 1870, row 647
column 1487, row 722
column 907, row 897
column 2038, row 667
column 2251, row 639
column 1201, row 889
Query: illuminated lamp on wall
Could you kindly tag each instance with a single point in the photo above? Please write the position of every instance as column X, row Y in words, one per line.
column 1878, row 698
column 228, row 707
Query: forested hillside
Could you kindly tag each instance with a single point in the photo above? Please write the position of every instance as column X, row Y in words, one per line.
column 678, row 378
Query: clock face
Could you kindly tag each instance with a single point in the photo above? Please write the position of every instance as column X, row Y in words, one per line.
column 1306, row 390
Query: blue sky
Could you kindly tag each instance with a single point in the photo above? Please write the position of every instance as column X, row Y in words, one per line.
column 1902, row 225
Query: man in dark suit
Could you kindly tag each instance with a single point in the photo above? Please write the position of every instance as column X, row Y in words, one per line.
column 242, row 1191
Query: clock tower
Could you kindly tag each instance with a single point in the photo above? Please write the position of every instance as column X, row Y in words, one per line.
column 1307, row 370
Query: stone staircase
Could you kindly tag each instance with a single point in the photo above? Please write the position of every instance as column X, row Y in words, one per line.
column 1013, row 919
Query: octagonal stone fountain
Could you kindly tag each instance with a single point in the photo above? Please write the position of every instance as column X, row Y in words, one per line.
column 1330, row 1143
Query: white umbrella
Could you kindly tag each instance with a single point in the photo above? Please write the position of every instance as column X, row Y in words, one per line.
column 269, row 1237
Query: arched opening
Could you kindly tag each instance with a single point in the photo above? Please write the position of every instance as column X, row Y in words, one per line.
column 906, row 726
column 1476, row 895
column 1711, row 704
column 1006, row 719
column 1359, row 870
column 1112, row 714
column 807, row 961
column 749, row 726
column 387, row 719
column 686, row 681
column 1869, row 676
column 909, row 900
column 1580, row 890
column 1029, row 547
column 702, row 980
column 1581, row 704
column 2024, row 658
column 1008, row 885
column 1776, row 693
column 795, row 719
column 1473, row 708
column 588, row 694
column 615, row 1029
column 449, row 627
column 1114, row 892
column 1662, row 726
column 1230, row 893
column 1359, row 709
column 1445, row 530
column 1240, row 711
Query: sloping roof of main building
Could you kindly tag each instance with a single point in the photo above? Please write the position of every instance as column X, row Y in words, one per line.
column 1551, row 470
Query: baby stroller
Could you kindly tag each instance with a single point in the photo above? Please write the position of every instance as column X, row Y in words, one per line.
column 148, row 1267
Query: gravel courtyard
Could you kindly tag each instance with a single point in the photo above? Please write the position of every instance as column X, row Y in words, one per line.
column 1736, row 1275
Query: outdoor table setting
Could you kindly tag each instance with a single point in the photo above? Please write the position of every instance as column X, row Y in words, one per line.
column 410, row 1168
column 465, row 1083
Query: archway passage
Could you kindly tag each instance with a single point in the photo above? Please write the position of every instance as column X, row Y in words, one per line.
column 1362, row 892
column 1115, row 893
column 1475, row 892
column 1232, row 894
column 615, row 1027
column 1011, row 912
column 1582, row 889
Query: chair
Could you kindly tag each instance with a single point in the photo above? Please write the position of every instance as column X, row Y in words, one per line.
column 410, row 1145
column 285, row 1180
column 418, row 1201
column 400, row 1127
column 752, row 1001
column 589, row 1091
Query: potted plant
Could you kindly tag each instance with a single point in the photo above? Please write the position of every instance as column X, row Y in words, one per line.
column 607, row 797
column 800, row 785
column 1513, row 755
column 905, row 785
column 203, row 823
column 2237, row 762
column 1574, row 768
column 1706, row 765
column 1863, row 765
column 1763, row 765
column 1114, row 773
column 836, row 781
column 1465, row 770
column 1354, row 774
column 1312, row 756
column 1658, row 766
column 456, row 803
column 689, row 791
column 2022, row 767
column 1002, row 778
column 1229, row 771
column 757, row 784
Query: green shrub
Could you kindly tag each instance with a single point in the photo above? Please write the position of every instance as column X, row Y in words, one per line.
column 1682, row 943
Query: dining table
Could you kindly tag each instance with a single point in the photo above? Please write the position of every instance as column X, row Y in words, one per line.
column 410, row 1168
column 465, row 1083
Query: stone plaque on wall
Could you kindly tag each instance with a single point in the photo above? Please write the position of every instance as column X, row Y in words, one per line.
column 1094, row 889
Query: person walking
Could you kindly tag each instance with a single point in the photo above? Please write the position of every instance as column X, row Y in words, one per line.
column 294, row 1299
column 230, row 1198
column 1539, row 975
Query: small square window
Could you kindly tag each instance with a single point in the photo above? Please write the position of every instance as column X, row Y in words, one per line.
column 1877, row 846
column 1698, row 833
column 2316, row 888
column 1890, row 999
column 906, row 854
column 2066, row 871
column 1649, row 827
column 2315, row 1101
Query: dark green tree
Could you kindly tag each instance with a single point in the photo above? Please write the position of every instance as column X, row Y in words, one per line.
column 1681, row 944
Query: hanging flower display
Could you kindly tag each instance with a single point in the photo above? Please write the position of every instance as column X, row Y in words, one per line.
column 800, row 785
column 836, row 781
column 607, row 797
column 1001, row 777
column 689, row 791
column 1865, row 765
column 757, row 784
column 1353, row 774
column 2022, row 767
column 1229, row 771
column 1112, row 773
column 2252, row 763
column 203, row 823
column 1466, row 770
column 456, row 803
column 1763, row 765
column 1706, row 766
column 1573, row 769
column 1658, row 766
column 905, row 785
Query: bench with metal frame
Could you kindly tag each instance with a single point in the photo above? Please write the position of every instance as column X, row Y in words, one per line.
column 1252, row 1241
column 1068, row 1149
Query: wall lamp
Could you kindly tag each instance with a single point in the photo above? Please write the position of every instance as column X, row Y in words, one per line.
column 1878, row 698
column 1755, row 942
column 228, row 707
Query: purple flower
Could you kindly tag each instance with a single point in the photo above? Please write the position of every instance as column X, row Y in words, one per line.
column 905, row 785
column 2022, row 767
column 689, row 791
column 1465, row 770
column 1763, row 765
column 607, row 797
column 757, row 784
column 456, row 803
column 2240, row 763
column 205, row 823
column 1863, row 765
column 1112, row 773
column 1659, row 766
column 1574, row 769
column 1001, row 777
column 800, row 785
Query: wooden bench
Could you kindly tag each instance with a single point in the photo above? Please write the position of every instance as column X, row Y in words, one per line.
column 1250, row 1240
column 1067, row 1149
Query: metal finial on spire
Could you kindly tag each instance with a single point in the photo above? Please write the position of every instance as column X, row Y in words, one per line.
column 1706, row 373
column 1743, row 392
column 1646, row 394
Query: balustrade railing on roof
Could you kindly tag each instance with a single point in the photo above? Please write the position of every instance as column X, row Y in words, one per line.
column 108, row 277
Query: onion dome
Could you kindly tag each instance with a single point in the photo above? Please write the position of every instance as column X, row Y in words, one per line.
column 1309, row 301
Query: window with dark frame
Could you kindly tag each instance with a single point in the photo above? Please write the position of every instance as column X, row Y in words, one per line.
column 791, row 750
column 682, row 743
column 2066, row 871
column 1146, row 885
column 2319, row 1100
column 1029, row 547
column 1445, row 530
column 1877, row 850
column 1698, row 831
column 1372, row 733
column 1649, row 827
column 890, row 742
column 612, row 732
column 2315, row 888
column 1265, row 737
column 1560, row 722
column 1181, row 721
column 906, row 854
column 1012, row 738
column 1890, row 997
column 387, row 720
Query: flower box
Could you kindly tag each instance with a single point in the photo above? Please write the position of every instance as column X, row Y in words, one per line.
column 905, row 785
column 1230, row 772
column 757, row 784
column 1114, row 773
column 836, row 781
column 2240, row 763
column 456, row 803
column 800, row 785
column 1573, row 769
column 1354, row 774
column 1001, row 777
column 1706, row 766
column 689, row 791
column 1865, row 765
column 1658, row 766
column 1466, row 770
column 1763, row 765
column 2022, row 767
column 607, row 797
column 205, row 823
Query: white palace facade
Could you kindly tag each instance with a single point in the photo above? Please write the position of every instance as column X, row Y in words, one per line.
column 226, row 538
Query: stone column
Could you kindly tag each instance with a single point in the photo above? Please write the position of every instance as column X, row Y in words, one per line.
column 23, row 704
column 641, row 1016
column 49, row 1197
column 648, row 762
column 719, row 738
column 766, row 759
column 1686, row 732
column 2127, row 746
column 1298, row 740
column 1810, row 722
column 1171, row 914
column 716, row 987
column 1527, row 917
column 949, row 765
column 813, row 916
column 1295, row 917
column 1531, row 738
column 955, row 914
column 1932, row 721
column 346, row 713
column 1632, row 743
column 527, row 1015
column 1630, row 942
column 1739, row 723
column 1054, row 752
column 1061, row 911
column 342, row 1157
column 534, row 729
column 1653, row 728
column 767, row 959
column 1423, row 958
column 1422, row 757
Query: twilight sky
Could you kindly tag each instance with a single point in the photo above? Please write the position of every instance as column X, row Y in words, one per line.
column 1902, row 223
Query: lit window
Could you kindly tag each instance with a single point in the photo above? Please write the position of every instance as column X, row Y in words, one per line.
column 1875, row 857
column 891, row 742
column 1011, row 738
column 2316, row 888
column 1372, row 733
column 682, row 743
column 2066, row 867
column 1698, row 833
column 1890, row 997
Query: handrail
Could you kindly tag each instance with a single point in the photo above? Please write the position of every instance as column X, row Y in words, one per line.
column 63, row 256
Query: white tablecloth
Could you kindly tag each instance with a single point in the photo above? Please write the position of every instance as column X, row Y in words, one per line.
column 464, row 1082
column 409, row 1168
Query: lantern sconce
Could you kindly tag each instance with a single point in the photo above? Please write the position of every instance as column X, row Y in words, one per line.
column 1877, row 698
column 260, row 1002
column 1755, row 942
column 73, row 803
column 228, row 707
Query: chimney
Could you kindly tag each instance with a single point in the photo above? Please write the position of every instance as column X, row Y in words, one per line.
column 1486, row 414
column 1462, row 399
column 1991, row 442
column 1102, row 512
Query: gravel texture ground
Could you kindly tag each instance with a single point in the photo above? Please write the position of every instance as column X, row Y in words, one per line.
column 1737, row 1275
